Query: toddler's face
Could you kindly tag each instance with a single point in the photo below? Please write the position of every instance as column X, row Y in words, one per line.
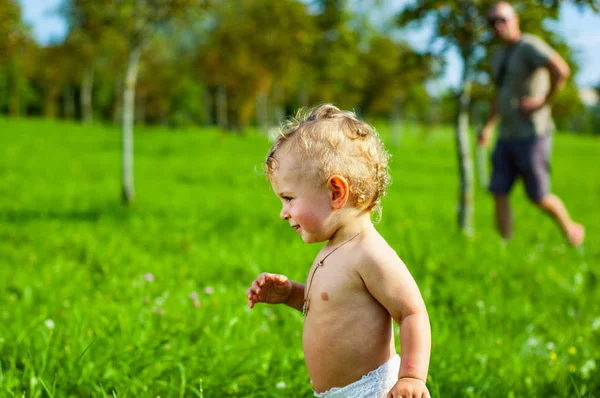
column 306, row 204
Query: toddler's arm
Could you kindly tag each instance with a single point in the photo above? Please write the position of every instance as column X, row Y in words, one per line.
column 389, row 282
column 275, row 289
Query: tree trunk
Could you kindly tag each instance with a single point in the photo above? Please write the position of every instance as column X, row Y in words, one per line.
column 50, row 105
column 69, row 102
column 222, row 108
column 87, row 84
column 481, row 153
column 262, row 112
column 208, row 107
column 465, row 161
column 127, row 127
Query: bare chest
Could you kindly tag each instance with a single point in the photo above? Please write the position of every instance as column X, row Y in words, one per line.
column 329, row 286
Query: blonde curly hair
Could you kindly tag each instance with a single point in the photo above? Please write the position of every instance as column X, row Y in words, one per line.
column 330, row 142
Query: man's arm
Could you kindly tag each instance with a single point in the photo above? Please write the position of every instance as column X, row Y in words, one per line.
column 559, row 72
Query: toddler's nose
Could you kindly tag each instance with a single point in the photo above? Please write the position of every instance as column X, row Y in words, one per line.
column 284, row 215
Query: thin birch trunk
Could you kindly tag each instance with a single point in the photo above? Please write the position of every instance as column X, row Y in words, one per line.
column 465, row 161
column 87, row 84
column 127, row 126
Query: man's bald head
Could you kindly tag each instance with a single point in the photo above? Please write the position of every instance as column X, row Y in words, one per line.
column 503, row 8
column 504, row 22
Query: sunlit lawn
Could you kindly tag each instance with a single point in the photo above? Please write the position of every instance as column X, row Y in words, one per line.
column 101, row 300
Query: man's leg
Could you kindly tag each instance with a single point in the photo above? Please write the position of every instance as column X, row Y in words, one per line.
column 503, row 216
column 504, row 173
column 536, row 176
column 552, row 205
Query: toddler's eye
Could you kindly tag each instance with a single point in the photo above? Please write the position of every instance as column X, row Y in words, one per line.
column 287, row 198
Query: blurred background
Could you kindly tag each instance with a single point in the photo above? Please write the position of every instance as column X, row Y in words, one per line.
column 146, row 299
column 242, row 63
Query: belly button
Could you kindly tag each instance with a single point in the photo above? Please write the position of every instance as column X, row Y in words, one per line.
column 324, row 296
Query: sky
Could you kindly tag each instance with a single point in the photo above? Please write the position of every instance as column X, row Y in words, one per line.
column 581, row 30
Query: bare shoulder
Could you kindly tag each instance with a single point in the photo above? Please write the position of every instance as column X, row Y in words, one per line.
column 375, row 254
column 387, row 278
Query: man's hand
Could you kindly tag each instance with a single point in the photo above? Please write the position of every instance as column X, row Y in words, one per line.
column 529, row 105
column 269, row 288
column 408, row 387
column 484, row 136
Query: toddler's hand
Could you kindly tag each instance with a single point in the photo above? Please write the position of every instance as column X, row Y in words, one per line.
column 408, row 387
column 269, row 288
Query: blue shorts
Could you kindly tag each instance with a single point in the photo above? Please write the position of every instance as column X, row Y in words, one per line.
column 528, row 159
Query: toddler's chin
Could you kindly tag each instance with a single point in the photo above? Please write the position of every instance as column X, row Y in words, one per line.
column 309, row 238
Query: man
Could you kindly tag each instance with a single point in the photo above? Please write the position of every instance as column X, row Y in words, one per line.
column 528, row 74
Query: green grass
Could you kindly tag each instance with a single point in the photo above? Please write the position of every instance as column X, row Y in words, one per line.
column 78, row 318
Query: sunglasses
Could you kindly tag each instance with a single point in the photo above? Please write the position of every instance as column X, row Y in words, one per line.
column 493, row 21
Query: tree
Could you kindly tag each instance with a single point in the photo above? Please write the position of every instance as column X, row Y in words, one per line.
column 337, row 73
column 17, row 54
column 254, row 48
column 53, row 77
column 136, row 21
column 462, row 25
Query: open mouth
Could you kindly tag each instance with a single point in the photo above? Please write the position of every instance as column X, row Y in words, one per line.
column 296, row 227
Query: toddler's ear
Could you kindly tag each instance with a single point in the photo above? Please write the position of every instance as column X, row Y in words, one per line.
column 338, row 191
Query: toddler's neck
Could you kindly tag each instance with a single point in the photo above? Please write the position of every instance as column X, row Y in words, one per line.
column 350, row 224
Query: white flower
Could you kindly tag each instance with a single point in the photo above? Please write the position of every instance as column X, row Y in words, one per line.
column 281, row 385
column 587, row 368
column 49, row 323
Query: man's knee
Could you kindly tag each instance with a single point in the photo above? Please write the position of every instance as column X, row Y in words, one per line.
column 542, row 201
column 538, row 198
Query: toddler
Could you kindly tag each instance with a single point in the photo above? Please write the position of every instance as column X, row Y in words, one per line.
column 330, row 170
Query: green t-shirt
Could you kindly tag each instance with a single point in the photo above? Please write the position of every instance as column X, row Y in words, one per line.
column 525, row 76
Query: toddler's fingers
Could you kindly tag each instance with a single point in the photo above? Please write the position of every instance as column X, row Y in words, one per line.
column 262, row 278
column 251, row 295
column 255, row 286
column 266, row 278
column 252, row 300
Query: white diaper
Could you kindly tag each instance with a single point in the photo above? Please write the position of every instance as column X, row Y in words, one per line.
column 375, row 384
